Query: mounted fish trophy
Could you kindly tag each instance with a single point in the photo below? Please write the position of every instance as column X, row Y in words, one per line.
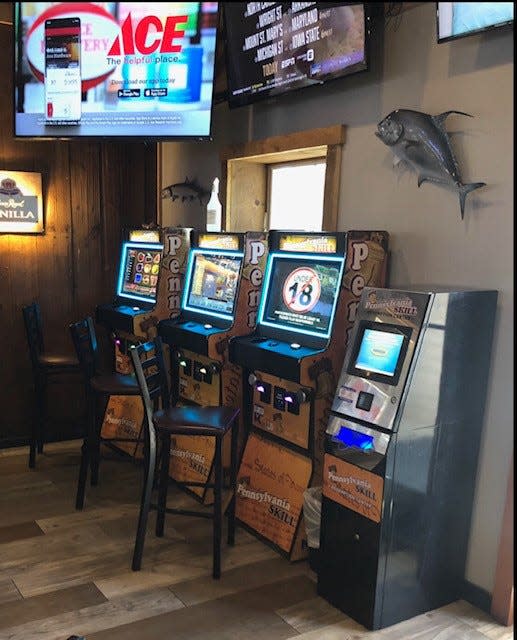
column 186, row 191
column 421, row 141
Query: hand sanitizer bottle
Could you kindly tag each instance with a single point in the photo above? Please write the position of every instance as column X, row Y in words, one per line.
column 214, row 209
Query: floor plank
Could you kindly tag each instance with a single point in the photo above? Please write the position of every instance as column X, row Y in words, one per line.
column 64, row 571
column 87, row 620
column 248, row 615
column 480, row 620
column 50, row 604
column 19, row 531
column 8, row 591
column 310, row 615
column 246, row 576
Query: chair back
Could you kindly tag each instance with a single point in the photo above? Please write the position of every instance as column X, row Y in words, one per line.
column 149, row 367
column 34, row 331
column 85, row 343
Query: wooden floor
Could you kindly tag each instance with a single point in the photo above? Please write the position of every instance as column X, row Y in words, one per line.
column 64, row 572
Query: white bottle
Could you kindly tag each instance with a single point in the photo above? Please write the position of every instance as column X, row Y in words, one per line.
column 214, row 209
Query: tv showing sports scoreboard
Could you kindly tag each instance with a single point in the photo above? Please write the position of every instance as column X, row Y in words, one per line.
column 114, row 69
column 460, row 19
column 301, row 293
column 139, row 273
column 277, row 47
column 212, row 279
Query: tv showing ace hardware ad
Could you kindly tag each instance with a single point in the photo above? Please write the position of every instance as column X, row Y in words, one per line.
column 114, row 69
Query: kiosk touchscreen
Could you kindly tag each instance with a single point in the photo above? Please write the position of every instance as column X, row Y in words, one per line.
column 401, row 449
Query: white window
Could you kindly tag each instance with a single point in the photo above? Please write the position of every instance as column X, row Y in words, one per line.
column 296, row 195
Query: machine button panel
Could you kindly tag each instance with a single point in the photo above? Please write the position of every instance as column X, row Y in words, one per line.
column 186, row 363
column 198, row 374
column 265, row 395
column 293, row 404
column 279, row 398
column 364, row 401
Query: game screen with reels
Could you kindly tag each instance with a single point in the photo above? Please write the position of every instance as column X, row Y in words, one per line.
column 212, row 281
column 139, row 272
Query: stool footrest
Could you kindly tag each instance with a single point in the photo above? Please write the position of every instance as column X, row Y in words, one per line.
column 192, row 483
column 183, row 512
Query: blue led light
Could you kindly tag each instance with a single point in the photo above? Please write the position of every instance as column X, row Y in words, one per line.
column 352, row 438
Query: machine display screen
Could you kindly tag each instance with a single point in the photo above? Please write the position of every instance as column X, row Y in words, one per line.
column 139, row 271
column 212, row 280
column 379, row 351
column 301, row 292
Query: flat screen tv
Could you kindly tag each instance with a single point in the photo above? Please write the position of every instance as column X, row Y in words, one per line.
column 139, row 272
column 459, row 19
column 300, row 294
column 277, row 47
column 378, row 351
column 136, row 70
column 212, row 280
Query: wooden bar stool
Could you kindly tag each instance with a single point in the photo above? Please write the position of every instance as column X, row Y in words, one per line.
column 46, row 367
column 159, row 426
column 99, row 387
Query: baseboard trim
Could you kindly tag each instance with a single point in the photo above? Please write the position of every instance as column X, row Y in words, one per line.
column 477, row 596
column 10, row 443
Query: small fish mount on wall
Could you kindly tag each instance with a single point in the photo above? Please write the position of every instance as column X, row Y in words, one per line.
column 421, row 141
column 187, row 191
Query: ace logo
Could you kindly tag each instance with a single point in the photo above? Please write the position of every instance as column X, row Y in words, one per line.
column 134, row 38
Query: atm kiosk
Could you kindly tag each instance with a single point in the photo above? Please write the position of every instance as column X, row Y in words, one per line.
column 401, row 451
column 220, row 300
column 291, row 362
column 149, row 282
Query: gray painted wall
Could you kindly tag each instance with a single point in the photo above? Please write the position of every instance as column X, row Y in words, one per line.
column 430, row 244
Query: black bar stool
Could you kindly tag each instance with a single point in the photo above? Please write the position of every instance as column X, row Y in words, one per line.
column 99, row 387
column 46, row 367
column 160, row 425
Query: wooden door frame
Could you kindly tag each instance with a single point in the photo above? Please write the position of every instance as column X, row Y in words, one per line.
column 243, row 189
column 502, row 596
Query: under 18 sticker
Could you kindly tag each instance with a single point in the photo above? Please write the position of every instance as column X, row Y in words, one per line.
column 302, row 289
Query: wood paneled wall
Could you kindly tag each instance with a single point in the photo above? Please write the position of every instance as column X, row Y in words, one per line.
column 92, row 191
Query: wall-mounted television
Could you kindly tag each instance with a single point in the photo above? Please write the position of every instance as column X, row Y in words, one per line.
column 135, row 70
column 212, row 280
column 300, row 293
column 459, row 19
column 139, row 272
column 276, row 47
column 378, row 351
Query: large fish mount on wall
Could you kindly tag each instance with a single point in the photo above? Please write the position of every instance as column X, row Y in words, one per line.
column 421, row 141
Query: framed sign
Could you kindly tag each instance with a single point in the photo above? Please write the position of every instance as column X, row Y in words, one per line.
column 21, row 202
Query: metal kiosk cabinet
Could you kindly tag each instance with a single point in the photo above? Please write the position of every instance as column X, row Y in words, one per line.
column 401, row 452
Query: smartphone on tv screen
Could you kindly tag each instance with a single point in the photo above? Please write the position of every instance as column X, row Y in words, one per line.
column 63, row 71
